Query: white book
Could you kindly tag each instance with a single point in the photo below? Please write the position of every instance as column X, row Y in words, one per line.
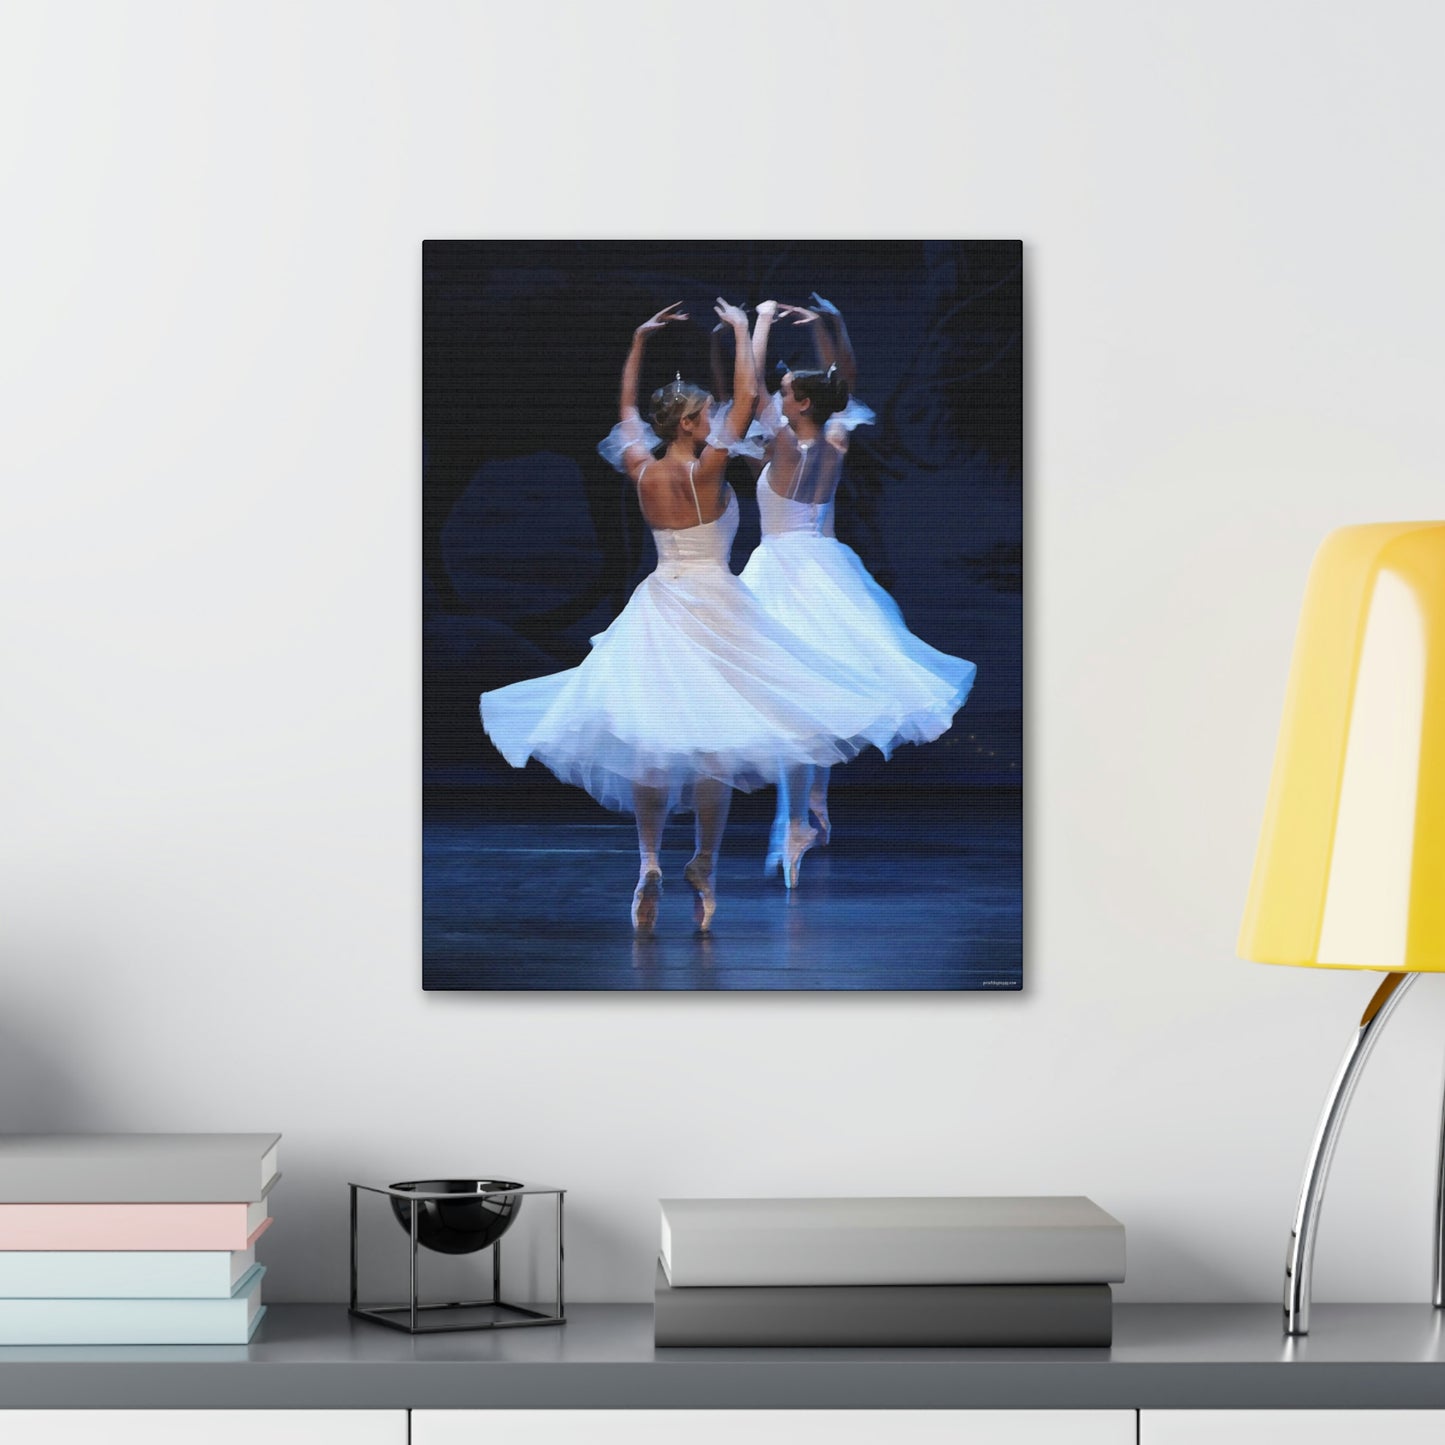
column 137, row 1168
column 122, row 1273
column 1052, row 1239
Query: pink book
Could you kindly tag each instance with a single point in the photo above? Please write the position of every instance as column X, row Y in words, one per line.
column 132, row 1226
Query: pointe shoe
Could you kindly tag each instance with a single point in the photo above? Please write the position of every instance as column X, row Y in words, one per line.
column 704, row 900
column 644, row 900
column 788, row 851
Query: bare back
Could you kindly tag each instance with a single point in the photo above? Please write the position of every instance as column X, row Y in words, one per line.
column 673, row 496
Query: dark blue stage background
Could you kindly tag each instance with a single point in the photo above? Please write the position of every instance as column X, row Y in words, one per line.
column 532, row 544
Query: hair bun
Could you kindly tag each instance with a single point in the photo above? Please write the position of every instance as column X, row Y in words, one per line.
column 671, row 403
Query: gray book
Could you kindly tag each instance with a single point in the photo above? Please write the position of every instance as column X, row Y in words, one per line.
column 137, row 1168
column 1053, row 1240
column 883, row 1315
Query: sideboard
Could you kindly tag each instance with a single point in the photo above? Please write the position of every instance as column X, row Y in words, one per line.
column 1176, row 1375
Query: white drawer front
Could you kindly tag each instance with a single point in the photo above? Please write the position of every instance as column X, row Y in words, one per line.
column 1291, row 1427
column 202, row 1427
column 773, row 1427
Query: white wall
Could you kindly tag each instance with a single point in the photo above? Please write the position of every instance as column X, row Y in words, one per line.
column 210, row 582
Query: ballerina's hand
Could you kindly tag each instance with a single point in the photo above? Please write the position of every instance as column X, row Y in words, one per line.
column 800, row 314
column 826, row 307
column 656, row 323
column 767, row 310
column 731, row 315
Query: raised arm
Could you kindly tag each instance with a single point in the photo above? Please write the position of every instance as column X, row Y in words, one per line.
column 632, row 367
column 767, row 314
column 839, row 341
column 823, row 350
column 745, row 392
column 636, row 455
column 745, row 378
column 715, row 360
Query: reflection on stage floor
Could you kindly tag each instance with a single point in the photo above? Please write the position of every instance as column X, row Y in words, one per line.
column 904, row 898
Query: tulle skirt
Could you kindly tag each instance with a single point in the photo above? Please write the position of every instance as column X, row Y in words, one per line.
column 817, row 587
column 693, row 680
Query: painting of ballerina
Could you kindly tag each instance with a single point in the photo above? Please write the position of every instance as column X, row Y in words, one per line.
column 722, row 610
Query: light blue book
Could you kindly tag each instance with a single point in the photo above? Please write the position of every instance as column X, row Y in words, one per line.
column 123, row 1273
column 229, row 1321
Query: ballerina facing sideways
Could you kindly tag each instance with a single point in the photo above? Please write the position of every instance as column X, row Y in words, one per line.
column 694, row 690
column 817, row 587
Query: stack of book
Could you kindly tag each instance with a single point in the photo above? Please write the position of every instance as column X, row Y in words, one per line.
column 890, row 1272
column 133, row 1239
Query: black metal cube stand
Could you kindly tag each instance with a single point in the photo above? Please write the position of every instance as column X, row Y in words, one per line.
column 485, row 1314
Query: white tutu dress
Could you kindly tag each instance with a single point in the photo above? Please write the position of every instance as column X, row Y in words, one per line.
column 818, row 587
column 693, row 680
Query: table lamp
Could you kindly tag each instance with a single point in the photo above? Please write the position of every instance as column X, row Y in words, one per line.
column 1350, row 871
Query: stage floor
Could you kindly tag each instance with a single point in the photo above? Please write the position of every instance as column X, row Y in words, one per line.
column 901, row 899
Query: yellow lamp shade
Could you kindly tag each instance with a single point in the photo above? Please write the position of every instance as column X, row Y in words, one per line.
column 1350, row 871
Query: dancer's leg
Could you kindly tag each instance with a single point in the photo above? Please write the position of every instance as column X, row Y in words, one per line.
column 712, row 800
column 818, row 803
column 792, row 834
column 793, row 789
column 649, row 806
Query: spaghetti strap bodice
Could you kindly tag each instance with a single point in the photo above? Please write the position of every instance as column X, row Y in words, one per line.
column 709, row 544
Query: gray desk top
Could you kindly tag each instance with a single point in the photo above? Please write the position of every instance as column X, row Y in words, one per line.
column 1164, row 1356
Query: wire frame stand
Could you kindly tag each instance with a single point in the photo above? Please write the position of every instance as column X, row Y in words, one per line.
column 415, row 1318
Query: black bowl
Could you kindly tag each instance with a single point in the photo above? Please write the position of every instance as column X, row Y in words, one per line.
column 458, row 1226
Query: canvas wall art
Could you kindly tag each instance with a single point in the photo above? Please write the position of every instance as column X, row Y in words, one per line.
column 722, row 606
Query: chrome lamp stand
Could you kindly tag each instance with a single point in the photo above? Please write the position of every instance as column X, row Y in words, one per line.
column 1299, row 1264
